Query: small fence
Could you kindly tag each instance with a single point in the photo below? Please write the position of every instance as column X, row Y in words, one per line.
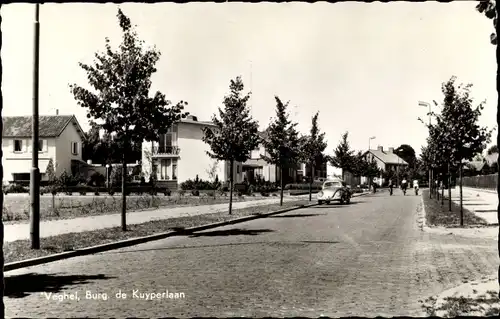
column 481, row 181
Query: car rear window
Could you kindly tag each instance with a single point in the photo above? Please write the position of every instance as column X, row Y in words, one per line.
column 332, row 184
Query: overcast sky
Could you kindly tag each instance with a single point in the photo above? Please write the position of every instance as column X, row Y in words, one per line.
column 364, row 67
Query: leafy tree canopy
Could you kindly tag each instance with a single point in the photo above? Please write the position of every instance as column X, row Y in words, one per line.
column 343, row 155
column 236, row 133
column 282, row 142
column 313, row 145
column 121, row 81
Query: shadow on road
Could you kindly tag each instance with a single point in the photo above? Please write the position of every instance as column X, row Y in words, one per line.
column 270, row 243
column 232, row 232
column 295, row 215
column 22, row 285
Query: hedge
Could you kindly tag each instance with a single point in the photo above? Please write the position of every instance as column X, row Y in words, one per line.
column 304, row 186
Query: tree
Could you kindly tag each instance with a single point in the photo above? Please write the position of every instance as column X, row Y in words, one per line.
column 89, row 143
column 457, row 132
column 52, row 182
column 493, row 149
column 121, row 80
column 370, row 170
column 235, row 135
column 212, row 174
column 343, row 155
column 407, row 153
column 488, row 8
column 312, row 148
column 282, row 143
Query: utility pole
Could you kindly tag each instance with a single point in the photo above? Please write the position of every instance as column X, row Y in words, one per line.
column 35, row 172
column 420, row 103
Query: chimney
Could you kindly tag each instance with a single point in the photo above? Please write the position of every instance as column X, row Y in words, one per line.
column 391, row 149
column 380, row 148
column 57, row 111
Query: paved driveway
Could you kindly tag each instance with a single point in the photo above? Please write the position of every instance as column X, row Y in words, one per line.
column 365, row 259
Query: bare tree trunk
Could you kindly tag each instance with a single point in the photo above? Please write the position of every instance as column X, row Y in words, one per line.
column 151, row 179
column 282, row 186
column 442, row 193
column 231, row 176
column 124, row 195
column 431, row 188
column 311, row 182
column 461, row 199
column 449, row 187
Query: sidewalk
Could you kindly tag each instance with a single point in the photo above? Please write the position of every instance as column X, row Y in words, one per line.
column 15, row 232
column 483, row 203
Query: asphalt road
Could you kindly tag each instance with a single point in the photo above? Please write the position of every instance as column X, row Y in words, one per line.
column 367, row 259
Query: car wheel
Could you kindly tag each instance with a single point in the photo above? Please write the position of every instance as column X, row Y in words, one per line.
column 320, row 202
column 327, row 202
column 341, row 202
column 348, row 201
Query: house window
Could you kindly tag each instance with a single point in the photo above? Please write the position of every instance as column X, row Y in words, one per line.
column 174, row 169
column 165, row 169
column 74, row 148
column 18, row 145
column 40, row 145
column 237, row 169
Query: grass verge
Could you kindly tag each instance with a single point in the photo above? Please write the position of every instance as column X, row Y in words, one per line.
column 486, row 305
column 16, row 208
column 20, row 249
column 437, row 215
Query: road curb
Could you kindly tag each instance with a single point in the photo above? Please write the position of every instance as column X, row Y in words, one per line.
column 139, row 240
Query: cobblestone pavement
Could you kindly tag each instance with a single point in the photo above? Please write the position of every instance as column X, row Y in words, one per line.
column 367, row 259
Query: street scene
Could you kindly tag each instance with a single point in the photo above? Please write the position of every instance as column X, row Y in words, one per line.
column 240, row 167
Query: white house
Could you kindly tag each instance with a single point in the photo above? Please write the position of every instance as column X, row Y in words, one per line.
column 181, row 154
column 256, row 167
column 386, row 160
column 60, row 140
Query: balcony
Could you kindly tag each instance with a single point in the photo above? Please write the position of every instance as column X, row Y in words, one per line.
column 166, row 151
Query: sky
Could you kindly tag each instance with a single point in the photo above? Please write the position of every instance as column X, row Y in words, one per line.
column 363, row 66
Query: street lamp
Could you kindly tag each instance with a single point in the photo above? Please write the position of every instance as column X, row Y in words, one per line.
column 420, row 103
column 369, row 140
column 35, row 171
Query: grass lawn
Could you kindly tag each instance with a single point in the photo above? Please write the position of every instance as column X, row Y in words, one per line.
column 20, row 250
column 16, row 206
column 437, row 215
column 486, row 305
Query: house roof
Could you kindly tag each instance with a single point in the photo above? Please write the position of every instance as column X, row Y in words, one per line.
column 49, row 125
column 388, row 157
column 492, row 158
column 263, row 135
column 477, row 165
column 191, row 121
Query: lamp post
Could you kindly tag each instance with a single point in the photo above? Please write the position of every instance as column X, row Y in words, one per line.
column 420, row 103
column 369, row 141
column 35, row 171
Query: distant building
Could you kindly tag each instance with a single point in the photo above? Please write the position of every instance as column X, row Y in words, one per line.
column 386, row 160
column 61, row 140
column 256, row 168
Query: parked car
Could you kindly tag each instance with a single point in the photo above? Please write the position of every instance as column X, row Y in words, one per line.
column 334, row 190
